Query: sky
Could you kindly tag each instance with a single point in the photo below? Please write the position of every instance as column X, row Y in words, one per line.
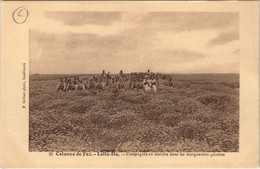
column 75, row 42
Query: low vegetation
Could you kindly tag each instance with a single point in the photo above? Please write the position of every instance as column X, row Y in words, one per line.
column 200, row 113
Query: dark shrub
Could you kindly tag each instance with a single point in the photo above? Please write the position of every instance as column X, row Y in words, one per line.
column 58, row 105
column 220, row 102
column 191, row 129
column 154, row 112
column 171, row 119
column 100, row 119
column 151, row 133
column 85, row 93
column 130, row 146
column 174, row 99
column 82, row 106
column 135, row 98
column 233, row 85
column 123, row 118
column 230, row 124
column 205, row 116
column 189, row 106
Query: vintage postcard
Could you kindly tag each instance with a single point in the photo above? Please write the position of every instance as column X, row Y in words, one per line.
column 130, row 84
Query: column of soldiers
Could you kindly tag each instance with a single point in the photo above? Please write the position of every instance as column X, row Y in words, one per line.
column 98, row 83
column 139, row 81
column 145, row 81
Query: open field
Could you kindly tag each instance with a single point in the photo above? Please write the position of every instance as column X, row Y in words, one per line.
column 200, row 113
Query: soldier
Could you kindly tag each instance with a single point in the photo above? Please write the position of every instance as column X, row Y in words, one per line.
column 65, row 82
column 80, row 85
column 154, row 84
column 171, row 82
column 76, row 82
column 108, row 80
column 121, row 83
column 108, row 75
column 92, row 82
column 100, row 85
column 121, row 75
column 85, row 83
column 156, row 77
column 164, row 77
column 94, row 78
column 113, row 84
column 146, row 84
column 137, row 84
column 148, row 73
column 132, row 82
column 151, row 75
column 103, row 75
column 68, row 84
column 60, row 85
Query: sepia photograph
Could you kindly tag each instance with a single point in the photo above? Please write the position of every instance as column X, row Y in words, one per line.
column 129, row 84
column 132, row 81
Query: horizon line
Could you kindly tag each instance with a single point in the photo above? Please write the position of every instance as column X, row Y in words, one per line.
column 117, row 73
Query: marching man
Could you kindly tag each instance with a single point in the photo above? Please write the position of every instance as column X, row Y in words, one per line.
column 121, row 75
column 147, row 84
column 103, row 75
column 154, row 84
